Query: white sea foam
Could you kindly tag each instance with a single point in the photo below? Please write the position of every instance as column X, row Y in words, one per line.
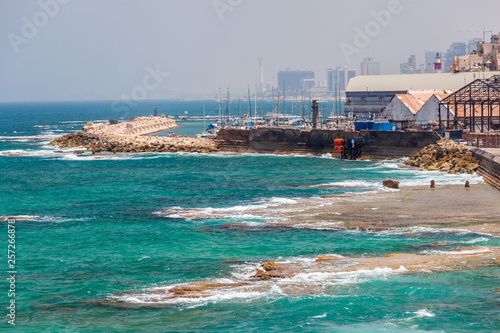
column 237, row 212
column 45, row 136
column 60, row 219
column 27, row 153
column 423, row 178
column 461, row 252
column 424, row 313
column 477, row 240
column 417, row 230
column 320, row 316
column 359, row 276
column 349, row 184
column 318, row 225
column 212, row 296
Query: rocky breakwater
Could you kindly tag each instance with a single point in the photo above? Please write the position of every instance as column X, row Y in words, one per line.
column 128, row 137
column 445, row 156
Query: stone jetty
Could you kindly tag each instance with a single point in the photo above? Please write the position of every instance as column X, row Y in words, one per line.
column 445, row 156
column 129, row 137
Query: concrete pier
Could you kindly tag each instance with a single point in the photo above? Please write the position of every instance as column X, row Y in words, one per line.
column 378, row 144
column 134, row 127
column 489, row 164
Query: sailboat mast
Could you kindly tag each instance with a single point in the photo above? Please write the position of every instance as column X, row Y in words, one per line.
column 204, row 126
column 219, row 113
column 249, row 104
column 262, row 103
column 302, row 104
column 284, row 103
column 239, row 109
column 272, row 100
column 255, row 103
column 296, row 102
column 279, row 107
column 228, row 105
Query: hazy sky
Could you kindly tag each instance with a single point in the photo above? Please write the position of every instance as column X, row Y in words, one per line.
column 93, row 49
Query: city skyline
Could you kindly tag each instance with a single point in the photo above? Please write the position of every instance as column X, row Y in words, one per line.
column 76, row 50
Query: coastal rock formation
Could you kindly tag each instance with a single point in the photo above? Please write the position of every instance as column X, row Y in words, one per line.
column 296, row 277
column 127, row 137
column 391, row 184
column 445, row 156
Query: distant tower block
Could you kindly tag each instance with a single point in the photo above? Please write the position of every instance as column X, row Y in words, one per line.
column 438, row 65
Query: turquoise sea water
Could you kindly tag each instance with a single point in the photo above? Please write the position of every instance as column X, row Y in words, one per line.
column 113, row 224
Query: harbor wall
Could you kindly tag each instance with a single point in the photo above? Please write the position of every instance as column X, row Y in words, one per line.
column 379, row 144
column 489, row 166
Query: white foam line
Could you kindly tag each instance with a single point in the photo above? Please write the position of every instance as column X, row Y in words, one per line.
column 462, row 252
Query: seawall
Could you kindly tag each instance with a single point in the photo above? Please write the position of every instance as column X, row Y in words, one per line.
column 129, row 137
column 489, row 165
column 379, row 144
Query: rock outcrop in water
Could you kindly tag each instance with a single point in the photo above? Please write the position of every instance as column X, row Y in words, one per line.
column 127, row 137
column 390, row 183
column 446, row 157
column 292, row 276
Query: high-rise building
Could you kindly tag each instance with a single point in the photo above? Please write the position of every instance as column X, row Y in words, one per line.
column 409, row 67
column 338, row 78
column 350, row 74
column 472, row 44
column 295, row 80
column 370, row 67
column 456, row 49
column 330, row 80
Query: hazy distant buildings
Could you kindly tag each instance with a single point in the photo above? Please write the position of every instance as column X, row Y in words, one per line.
column 295, row 80
column 370, row 67
column 484, row 57
column 472, row 44
column 338, row 78
column 457, row 49
column 409, row 67
column 330, row 80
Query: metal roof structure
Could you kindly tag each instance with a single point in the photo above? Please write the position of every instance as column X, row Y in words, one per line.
column 414, row 100
column 405, row 82
column 476, row 105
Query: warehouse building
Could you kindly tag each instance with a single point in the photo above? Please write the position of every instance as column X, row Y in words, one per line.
column 368, row 95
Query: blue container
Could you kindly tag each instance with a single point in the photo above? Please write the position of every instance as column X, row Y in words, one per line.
column 369, row 125
column 383, row 126
column 360, row 125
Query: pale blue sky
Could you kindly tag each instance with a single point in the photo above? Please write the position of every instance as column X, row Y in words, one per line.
column 92, row 49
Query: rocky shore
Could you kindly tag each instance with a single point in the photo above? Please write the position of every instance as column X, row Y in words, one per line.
column 445, row 156
column 128, row 137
